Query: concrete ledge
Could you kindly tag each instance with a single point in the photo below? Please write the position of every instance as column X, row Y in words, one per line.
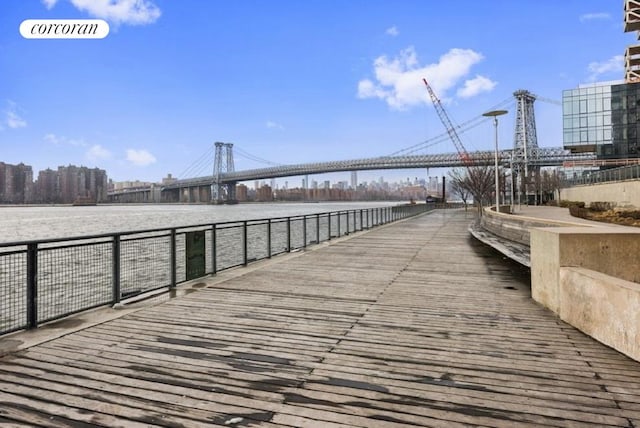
column 604, row 307
column 516, row 227
column 611, row 253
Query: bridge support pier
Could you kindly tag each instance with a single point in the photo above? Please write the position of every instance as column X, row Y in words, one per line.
column 223, row 163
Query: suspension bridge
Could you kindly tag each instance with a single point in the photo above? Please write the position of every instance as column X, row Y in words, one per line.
column 524, row 159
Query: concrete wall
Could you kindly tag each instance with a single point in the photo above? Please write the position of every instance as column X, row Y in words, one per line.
column 606, row 308
column 590, row 278
column 515, row 227
column 623, row 193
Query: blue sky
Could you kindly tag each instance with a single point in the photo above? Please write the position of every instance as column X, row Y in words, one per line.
column 287, row 81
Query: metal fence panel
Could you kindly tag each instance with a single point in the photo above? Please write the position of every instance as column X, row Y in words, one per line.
column 229, row 246
column 297, row 233
column 13, row 290
column 145, row 263
column 257, row 241
column 72, row 278
column 324, row 227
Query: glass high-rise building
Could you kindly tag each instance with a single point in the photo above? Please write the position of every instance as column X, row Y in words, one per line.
column 602, row 118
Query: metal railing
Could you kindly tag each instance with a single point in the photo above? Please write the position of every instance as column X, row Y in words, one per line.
column 45, row 280
column 606, row 175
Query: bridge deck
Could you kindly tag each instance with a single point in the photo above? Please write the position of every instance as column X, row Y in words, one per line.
column 410, row 324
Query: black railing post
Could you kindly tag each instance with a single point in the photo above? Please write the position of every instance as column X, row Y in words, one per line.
column 329, row 225
column 304, row 231
column 245, row 253
column 339, row 215
column 317, row 228
column 173, row 258
column 289, row 234
column 32, row 285
column 347, row 214
column 116, row 269
column 269, row 238
column 361, row 225
column 214, row 238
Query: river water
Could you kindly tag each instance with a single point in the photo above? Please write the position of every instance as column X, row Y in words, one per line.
column 19, row 223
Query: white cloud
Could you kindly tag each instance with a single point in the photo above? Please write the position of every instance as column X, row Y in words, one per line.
column 11, row 117
column 60, row 140
column 97, row 152
column 476, row 86
column 52, row 138
column 273, row 125
column 399, row 80
column 612, row 65
column 134, row 12
column 140, row 157
column 14, row 121
column 49, row 3
column 392, row 31
column 592, row 16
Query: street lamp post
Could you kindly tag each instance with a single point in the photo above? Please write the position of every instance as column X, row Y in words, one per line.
column 495, row 114
column 512, row 203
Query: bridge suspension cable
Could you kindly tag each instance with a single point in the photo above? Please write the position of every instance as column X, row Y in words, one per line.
column 200, row 166
column 463, row 127
column 246, row 155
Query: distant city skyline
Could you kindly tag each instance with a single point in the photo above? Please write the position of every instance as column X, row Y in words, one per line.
column 20, row 184
column 287, row 81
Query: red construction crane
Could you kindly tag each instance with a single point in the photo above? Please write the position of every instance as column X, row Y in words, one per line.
column 451, row 130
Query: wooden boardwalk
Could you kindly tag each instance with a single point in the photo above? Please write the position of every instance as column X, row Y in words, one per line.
column 413, row 324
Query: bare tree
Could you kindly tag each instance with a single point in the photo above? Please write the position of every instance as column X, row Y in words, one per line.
column 458, row 188
column 550, row 182
column 478, row 180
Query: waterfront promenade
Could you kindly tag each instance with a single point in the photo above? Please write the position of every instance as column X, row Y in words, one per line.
column 410, row 324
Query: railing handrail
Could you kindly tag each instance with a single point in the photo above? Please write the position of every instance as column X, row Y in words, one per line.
column 605, row 176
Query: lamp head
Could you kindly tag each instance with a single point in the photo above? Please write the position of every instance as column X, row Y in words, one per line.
column 494, row 113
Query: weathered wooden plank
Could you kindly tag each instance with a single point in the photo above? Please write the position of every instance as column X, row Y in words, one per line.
column 49, row 411
column 413, row 324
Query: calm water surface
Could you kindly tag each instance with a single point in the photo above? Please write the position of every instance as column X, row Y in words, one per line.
column 31, row 223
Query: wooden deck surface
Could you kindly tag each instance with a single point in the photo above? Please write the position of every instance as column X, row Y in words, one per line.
column 413, row 324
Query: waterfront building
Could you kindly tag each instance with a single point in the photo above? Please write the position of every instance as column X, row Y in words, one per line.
column 169, row 179
column 46, row 186
column 16, row 183
column 265, row 194
column 242, row 193
column 602, row 118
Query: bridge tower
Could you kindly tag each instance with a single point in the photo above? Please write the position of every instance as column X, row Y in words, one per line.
column 525, row 145
column 223, row 163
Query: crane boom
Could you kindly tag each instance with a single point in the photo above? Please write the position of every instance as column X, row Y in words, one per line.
column 451, row 130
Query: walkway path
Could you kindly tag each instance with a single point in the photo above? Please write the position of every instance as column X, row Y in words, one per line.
column 412, row 324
